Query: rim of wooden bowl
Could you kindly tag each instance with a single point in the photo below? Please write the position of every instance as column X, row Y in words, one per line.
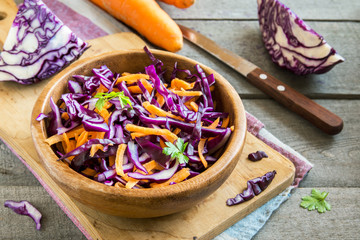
column 64, row 174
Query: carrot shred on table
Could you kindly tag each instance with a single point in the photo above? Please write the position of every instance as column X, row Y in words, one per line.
column 177, row 84
column 187, row 93
column 225, row 122
column 83, row 138
column 119, row 159
column 194, row 106
column 94, row 148
column 159, row 112
column 177, row 177
column 132, row 78
column 153, row 131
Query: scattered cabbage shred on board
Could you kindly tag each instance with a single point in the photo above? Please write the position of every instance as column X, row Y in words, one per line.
column 292, row 43
column 38, row 45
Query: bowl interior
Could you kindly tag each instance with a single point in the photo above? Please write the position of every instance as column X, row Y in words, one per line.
column 227, row 100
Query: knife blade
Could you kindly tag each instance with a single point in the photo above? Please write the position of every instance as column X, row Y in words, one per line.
column 321, row 117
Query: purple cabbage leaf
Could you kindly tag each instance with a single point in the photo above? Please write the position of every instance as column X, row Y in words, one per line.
column 38, row 45
column 291, row 43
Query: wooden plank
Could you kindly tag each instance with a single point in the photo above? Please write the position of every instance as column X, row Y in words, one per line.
column 339, row 10
column 293, row 222
column 244, row 39
column 335, row 158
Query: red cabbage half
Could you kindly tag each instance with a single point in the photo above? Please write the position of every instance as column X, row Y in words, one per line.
column 291, row 43
column 38, row 45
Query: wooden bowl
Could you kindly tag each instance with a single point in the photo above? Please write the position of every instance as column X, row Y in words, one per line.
column 139, row 203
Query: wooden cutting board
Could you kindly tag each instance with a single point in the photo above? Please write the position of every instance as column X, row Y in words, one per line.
column 204, row 221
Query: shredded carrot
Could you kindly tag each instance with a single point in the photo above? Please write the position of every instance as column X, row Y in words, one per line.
column 147, row 85
column 149, row 166
column 177, row 84
column 89, row 172
column 65, row 116
column 214, row 124
column 111, row 160
column 119, row 159
column 187, row 93
column 119, row 185
column 131, row 78
column 160, row 99
column 212, row 88
column 203, row 141
column 95, row 148
column 194, row 106
column 96, row 135
column 162, row 144
column 83, row 138
column 137, row 134
column 177, row 177
column 66, row 143
column 200, row 151
column 101, row 89
column 153, row 131
column 159, row 112
column 58, row 138
column 104, row 113
column 232, row 128
column 177, row 131
column 225, row 122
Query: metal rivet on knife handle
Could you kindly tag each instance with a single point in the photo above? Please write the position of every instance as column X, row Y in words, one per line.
column 296, row 102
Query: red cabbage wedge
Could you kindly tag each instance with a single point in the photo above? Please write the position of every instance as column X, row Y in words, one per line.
column 291, row 43
column 38, row 45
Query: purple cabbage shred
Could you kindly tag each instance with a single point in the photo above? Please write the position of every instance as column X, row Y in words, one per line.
column 254, row 187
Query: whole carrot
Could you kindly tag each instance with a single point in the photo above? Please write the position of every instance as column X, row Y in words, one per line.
column 146, row 17
column 179, row 3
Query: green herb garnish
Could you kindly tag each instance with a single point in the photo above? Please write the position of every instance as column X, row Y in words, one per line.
column 177, row 150
column 316, row 201
column 104, row 97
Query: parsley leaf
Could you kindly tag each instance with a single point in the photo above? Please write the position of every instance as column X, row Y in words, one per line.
column 316, row 201
column 104, row 97
column 177, row 150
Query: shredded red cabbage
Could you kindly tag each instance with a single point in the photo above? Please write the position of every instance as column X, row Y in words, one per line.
column 25, row 208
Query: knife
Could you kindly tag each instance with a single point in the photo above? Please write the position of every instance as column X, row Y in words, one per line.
column 279, row 91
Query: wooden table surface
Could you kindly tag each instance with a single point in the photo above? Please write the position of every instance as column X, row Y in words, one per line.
column 234, row 25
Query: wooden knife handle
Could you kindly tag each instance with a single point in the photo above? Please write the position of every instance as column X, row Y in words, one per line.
column 296, row 102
